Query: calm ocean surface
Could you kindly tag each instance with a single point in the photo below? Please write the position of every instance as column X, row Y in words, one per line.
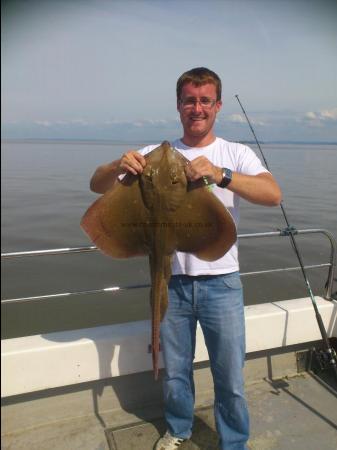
column 45, row 192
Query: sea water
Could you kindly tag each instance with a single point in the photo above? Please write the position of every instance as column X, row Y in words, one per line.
column 45, row 192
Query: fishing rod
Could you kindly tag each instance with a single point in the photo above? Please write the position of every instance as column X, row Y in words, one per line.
column 329, row 357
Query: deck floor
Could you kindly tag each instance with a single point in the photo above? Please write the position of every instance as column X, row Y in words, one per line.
column 299, row 413
column 289, row 414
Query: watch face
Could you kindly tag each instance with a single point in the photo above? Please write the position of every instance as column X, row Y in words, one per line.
column 226, row 177
column 228, row 174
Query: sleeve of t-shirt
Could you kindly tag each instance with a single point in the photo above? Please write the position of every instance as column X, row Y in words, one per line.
column 248, row 163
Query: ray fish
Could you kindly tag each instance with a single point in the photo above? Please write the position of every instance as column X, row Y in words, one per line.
column 157, row 213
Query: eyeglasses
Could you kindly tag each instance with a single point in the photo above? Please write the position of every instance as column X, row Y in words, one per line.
column 191, row 102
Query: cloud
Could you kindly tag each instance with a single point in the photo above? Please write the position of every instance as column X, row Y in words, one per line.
column 139, row 124
column 239, row 118
column 329, row 114
column 79, row 121
column 114, row 122
column 319, row 118
column 310, row 115
column 49, row 123
column 157, row 121
column 236, row 118
column 43, row 123
column 151, row 123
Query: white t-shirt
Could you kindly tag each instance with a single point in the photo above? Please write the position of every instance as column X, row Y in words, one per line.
column 237, row 157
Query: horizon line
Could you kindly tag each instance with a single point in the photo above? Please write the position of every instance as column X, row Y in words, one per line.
column 245, row 141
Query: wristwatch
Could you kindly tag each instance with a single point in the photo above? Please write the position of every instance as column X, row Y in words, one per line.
column 226, row 177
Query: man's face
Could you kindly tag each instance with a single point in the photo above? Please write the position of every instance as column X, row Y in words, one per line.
column 198, row 120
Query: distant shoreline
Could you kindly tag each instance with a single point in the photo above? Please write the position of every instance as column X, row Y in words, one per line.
column 139, row 142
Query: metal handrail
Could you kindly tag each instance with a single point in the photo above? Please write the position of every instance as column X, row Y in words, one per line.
column 54, row 251
column 71, row 250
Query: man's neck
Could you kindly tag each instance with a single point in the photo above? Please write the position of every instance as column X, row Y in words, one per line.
column 198, row 141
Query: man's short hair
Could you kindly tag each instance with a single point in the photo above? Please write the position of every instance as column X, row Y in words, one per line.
column 199, row 76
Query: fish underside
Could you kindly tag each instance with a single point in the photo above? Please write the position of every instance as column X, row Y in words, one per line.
column 157, row 213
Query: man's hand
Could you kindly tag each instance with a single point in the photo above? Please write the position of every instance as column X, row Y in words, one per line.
column 106, row 175
column 202, row 167
column 132, row 161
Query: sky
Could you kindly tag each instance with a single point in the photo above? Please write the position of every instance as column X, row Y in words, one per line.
column 106, row 69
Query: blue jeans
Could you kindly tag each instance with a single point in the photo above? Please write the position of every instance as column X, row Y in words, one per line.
column 217, row 302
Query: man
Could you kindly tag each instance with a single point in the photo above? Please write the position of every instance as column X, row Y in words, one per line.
column 210, row 292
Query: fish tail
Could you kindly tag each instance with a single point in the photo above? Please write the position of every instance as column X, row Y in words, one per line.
column 155, row 339
column 159, row 305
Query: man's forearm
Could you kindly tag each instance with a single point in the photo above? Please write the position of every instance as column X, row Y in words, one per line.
column 261, row 189
column 105, row 177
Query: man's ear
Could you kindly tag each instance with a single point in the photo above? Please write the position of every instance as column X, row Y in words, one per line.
column 218, row 105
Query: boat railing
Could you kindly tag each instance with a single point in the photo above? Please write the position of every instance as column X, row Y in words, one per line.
column 331, row 264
